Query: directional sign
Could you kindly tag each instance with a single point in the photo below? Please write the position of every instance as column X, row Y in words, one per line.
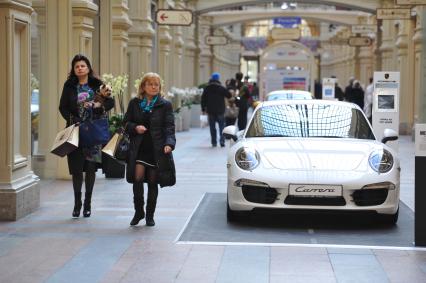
column 174, row 17
column 338, row 41
column 364, row 29
column 360, row 41
column 410, row 2
column 393, row 13
column 216, row 40
column 285, row 33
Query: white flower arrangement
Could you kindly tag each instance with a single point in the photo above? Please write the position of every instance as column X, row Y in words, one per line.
column 118, row 86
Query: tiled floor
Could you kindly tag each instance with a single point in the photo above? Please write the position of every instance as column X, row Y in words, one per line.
column 49, row 245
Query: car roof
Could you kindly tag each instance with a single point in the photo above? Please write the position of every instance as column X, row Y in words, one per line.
column 308, row 102
column 288, row 94
column 284, row 91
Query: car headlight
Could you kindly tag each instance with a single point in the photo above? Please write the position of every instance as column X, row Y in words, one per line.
column 381, row 161
column 247, row 158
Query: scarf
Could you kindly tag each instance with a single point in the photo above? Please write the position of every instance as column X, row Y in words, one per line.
column 148, row 107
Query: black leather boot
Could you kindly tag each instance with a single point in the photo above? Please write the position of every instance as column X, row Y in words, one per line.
column 139, row 212
column 77, row 204
column 87, row 204
column 151, row 204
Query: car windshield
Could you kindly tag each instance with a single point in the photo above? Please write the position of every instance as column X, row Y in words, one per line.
column 287, row 95
column 310, row 121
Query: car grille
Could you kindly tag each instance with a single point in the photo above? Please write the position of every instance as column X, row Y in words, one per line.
column 368, row 197
column 329, row 201
column 259, row 194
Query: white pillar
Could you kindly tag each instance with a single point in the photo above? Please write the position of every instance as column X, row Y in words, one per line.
column 19, row 190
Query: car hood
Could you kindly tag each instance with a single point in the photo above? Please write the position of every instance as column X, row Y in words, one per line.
column 317, row 153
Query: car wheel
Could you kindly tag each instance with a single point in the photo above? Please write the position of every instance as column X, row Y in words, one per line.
column 390, row 219
column 234, row 216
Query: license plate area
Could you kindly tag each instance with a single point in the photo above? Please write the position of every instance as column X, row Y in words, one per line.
column 317, row 190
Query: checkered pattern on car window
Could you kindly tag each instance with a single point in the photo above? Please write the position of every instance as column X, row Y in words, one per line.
column 309, row 120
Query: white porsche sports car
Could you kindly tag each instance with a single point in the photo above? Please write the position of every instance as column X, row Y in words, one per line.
column 311, row 155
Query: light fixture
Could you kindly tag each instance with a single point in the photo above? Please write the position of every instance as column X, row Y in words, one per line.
column 284, row 6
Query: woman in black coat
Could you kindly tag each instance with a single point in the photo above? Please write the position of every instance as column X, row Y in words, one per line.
column 76, row 100
column 149, row 121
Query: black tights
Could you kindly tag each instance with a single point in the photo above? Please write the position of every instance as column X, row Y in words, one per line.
column 150, row 176
column 77, row 179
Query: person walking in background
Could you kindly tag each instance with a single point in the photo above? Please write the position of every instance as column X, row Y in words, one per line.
column 349, row 87
column 338, row 92
column 149, row 121
column 231, row 109
column 356, row 94
column 368, row 100
column 213, row 103
column 77, row 101
column 318, row 89
column 243, row 102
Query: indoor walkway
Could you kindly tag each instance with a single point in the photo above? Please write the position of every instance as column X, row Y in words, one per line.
column 50, row 246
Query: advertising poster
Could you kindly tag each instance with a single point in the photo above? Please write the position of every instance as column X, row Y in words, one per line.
column 328, row 88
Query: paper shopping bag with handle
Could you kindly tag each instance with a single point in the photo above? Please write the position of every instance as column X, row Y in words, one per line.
column 66, row 141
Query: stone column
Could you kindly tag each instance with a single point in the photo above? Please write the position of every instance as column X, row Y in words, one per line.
column 164, row 54
column 178, row 51
column 420, row 66
column 55, row 19
column 191, row 59
column 141, row 35
column 83, row 12
column 120, row 38
column 19, row 189
column 205, row 55
column 387, row 46
column 406, row 67
column 105, row 37
column 120, row 26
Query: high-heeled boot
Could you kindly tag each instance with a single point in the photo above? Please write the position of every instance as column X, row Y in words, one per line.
column 138, row 201
column 87, row 208
column 151, row 204
column 139, row 212
column 77, row 204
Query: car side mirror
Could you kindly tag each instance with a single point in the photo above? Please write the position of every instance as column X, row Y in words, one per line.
column 230, row 132
column 389, row 135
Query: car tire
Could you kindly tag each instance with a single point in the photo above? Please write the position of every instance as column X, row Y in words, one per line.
column 390, row 219
column 234, row 216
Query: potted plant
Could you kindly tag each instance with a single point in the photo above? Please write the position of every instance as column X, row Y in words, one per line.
column 111, row 167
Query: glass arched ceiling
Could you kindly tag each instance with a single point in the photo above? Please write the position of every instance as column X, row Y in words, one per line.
column 205, row 6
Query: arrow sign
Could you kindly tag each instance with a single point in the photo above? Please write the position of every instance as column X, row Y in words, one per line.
column 393, row 13
column 360, row 41
column 174, row 17
column 410, row 2
column 216, row 40
column 364, row 29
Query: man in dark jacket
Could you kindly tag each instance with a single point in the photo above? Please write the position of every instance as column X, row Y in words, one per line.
column 213, row 103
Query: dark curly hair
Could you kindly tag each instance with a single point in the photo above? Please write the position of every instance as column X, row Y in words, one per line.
column 80, row 57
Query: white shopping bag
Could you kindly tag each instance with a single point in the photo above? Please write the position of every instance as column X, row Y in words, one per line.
column 66, row 141
column 204, row 121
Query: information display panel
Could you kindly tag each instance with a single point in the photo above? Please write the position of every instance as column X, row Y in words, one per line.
column 328, row 87
column 385, row 112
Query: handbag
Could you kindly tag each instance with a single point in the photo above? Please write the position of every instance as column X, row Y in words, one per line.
column 66, row 141
column 118, row 147
column 94, row 132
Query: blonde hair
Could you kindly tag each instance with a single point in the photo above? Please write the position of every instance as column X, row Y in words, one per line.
column 145, row 78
